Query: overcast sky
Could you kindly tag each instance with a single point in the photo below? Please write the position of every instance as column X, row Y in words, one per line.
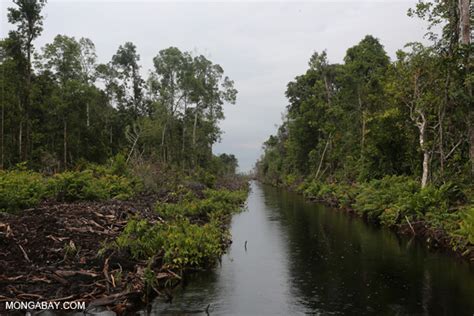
column 261, row 45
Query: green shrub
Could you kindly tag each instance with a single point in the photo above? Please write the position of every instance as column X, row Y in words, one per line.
column 21, row 189
column 232, row 198
column 301, row 188
column 205, row 177
column 221, row 202
column 141, row 238
column 118, row 165
column 84, row 185
column 181, row 243
column 343, row 194
column 192, row 245
column 436, row 200
column 392, row 198
column 384, row 196
column 289, row 180
column 466, row 228
column 311, row 189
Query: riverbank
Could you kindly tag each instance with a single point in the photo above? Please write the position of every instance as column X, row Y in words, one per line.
column 442, row 217
column 116, row 252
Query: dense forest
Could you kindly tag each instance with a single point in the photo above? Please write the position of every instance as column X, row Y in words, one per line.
column 61, row 107
column 395, row 138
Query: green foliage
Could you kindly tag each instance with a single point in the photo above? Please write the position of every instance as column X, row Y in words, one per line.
column 67, row 108
column 337, row 193
column 192, row 245
column 392, row 198
column 118, row 165
column 205, row 177
column 70, row 249
column 371, row 117
column 181, row 243
column 223, row 164
column 141, row 238
column 379, row 196
column 290, row 180
column 214, row 203
column 21, row 189
column 466, row 227
column 226, row 196
column 84, row 185
column 192, row 234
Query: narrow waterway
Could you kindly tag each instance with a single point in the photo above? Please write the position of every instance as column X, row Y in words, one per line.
column 304, row 258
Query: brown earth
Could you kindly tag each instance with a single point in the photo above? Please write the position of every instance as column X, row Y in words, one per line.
column 51, row 253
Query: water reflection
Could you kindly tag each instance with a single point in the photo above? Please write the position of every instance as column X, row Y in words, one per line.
column 303, row 258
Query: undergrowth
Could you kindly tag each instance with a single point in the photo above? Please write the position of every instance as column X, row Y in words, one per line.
column 394, row 201
column 21, row 188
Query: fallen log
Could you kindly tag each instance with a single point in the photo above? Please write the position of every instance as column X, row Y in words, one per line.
column 64, row 273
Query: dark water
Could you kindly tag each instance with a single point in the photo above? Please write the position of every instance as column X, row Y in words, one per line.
column 303, row 258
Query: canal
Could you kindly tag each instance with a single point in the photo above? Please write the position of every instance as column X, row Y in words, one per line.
column 291, row 257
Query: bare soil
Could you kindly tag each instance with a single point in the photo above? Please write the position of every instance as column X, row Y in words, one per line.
column 51, row 253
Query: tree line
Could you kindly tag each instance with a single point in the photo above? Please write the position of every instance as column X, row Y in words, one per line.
column 371, row 116
column 60, row 106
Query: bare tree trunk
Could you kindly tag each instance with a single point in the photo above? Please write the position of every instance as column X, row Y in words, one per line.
column 65, row 143
column 362, row 140
column 322, row 157
column 163, row 133
column 363, row 132
column 184, row 133
column 194, row 134
column 194, row 128
column 132, row 149
column 464, row 21
column 20, row 137
column 328, row 92
column 426, row 155
column 27, row 101
column 87, row 113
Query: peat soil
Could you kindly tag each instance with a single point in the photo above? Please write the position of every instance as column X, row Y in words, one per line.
column 51, row 253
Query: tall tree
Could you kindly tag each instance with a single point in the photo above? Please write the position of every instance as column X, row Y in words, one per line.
column 69, row 63
column 126, row 64
column 418, row 87
column 365, row 65
column 169, row 87
column 455, row 42
column 27, row 16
